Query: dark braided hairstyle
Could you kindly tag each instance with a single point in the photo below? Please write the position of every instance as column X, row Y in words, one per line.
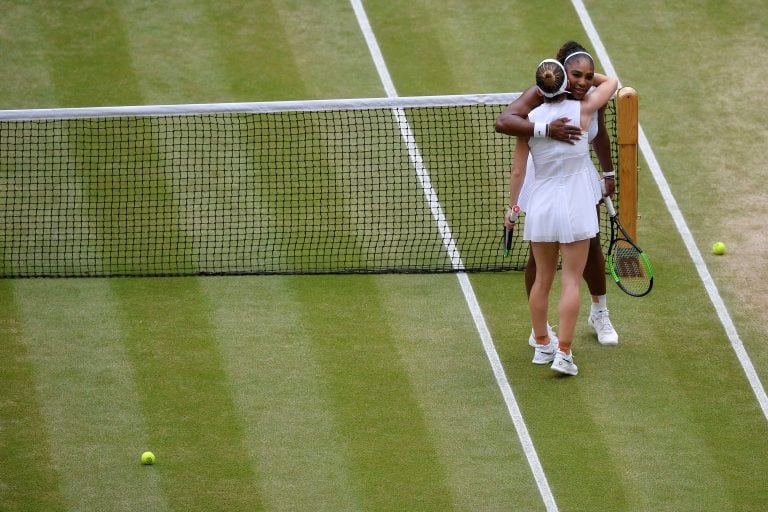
column 550, row 78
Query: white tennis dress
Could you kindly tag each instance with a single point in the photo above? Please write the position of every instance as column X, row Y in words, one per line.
column 530, row 170
column 560, row 206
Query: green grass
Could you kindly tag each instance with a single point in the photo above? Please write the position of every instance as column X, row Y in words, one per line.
column 373, row 392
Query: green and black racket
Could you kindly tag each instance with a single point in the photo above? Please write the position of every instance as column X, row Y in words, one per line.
column 628, row 264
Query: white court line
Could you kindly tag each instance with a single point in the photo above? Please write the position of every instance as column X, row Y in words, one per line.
column 682, row 226
column 450, row 245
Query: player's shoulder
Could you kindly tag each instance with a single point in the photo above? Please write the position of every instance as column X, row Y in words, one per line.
column 530, row 96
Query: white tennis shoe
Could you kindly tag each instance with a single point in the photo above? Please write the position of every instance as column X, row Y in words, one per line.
column 550, row 332
column 564, row 364
column 545, row 354
column 601, row 324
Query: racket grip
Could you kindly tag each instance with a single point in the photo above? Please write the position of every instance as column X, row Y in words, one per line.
column 507, row 241
column 609, row 206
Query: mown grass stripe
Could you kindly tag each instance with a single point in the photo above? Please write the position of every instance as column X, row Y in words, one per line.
column 643, row 422
column 250, row 40
column 639, row 415
column 87, row 53
column 451, row 48
column 682, row 227
column 195, row 428
column 448, row 370
column 24, row 59
column 88, row 74
column 279, row 391
column 326, row 44
column 173, row 47
column 466, row 285
column 564, row 437
column 390, row 451
column 27, row 478
column 85, row 386
column 720, row 412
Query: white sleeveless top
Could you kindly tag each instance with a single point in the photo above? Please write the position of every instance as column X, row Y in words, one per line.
column 560, row 206
column 530, row 171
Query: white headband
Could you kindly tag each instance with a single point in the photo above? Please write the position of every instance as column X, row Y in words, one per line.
column 564, row 85
column 578, row 53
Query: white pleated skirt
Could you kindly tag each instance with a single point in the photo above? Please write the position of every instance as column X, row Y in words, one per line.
column 562, row 208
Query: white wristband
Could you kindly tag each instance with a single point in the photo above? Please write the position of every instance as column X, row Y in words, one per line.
column 539, row 130
column 608, row 174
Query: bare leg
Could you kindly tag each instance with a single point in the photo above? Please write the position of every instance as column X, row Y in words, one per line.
column 574, row 259
column 594, row 270
column 546, row 254
column 530, row 272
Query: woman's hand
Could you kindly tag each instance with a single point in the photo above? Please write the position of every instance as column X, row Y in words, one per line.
column 559, row 129
column 510, row 217
column 609, row 187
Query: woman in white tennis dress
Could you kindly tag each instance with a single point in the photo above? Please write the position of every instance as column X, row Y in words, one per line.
column 514, row 121
column 561, row 202
column 530, row 175
column 560, row 209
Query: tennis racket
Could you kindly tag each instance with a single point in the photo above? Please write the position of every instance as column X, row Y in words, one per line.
column 628, row 264
column 512, row 213
column 507, row 242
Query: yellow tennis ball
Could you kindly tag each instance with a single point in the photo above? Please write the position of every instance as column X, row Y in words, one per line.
column 148, row 458
column 718, row 248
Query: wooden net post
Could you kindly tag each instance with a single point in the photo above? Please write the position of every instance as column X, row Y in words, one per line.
column 626, row 135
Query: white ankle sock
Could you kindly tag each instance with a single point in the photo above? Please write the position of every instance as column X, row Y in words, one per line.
column 600, row 305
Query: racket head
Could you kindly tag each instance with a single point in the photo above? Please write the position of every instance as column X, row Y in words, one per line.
column 630, row 268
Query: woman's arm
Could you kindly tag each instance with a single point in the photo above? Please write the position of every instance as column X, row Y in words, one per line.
column 514, row 120
column 602, row 146
column 605, row 88
column 516, row 177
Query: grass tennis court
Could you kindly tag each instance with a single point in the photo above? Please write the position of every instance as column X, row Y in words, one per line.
column 374, row 392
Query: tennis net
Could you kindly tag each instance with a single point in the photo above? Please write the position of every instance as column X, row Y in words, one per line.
column 335, row 186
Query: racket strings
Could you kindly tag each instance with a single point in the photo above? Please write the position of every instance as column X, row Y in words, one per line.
column 630, row 268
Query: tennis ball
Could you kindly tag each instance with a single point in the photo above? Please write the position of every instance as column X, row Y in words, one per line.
column 718, row 248
column 148, row 458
